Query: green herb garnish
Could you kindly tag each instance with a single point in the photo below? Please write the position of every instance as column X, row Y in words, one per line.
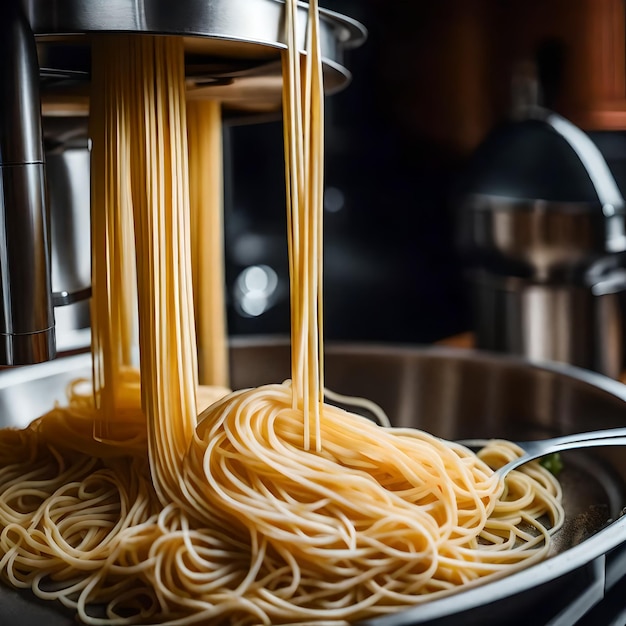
column 552, row 463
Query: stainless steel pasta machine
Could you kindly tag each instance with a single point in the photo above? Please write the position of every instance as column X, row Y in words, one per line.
column 232, row 53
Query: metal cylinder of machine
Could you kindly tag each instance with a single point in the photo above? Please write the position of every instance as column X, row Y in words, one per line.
column 26, row 313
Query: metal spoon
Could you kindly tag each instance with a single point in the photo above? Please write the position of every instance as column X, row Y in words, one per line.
column 542, row 447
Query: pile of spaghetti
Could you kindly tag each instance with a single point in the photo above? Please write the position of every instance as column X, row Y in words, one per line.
column 150, row 498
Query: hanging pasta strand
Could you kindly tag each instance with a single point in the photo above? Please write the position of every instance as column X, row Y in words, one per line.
column 161, row 208
column 294, row 176
column 303, row 122
column 114, row 301
column 316, row 202
column 204, row 135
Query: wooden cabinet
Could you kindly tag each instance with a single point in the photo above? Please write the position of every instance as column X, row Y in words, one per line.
column 602, row 83
column 445, row 68
column 582, row 46
column 581, row 49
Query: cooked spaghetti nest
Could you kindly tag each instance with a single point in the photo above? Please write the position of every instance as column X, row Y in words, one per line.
column 267, row 532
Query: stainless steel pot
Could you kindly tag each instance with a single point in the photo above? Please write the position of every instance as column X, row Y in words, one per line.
column 453, row 394
column 541, row 215
column 571, row 323
column 543, row 240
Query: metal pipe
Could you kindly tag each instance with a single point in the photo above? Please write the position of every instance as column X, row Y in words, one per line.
column 26, row 313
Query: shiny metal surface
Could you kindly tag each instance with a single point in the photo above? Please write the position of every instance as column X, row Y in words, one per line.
column 562, row 322
column 543, row 224
column 249, row 21
column 544, row 286
column 543, row 239
column 232, row 46
column 453, row 394
column 539, row 448
column 26, row 318
column 542, row 194
column 68, row 178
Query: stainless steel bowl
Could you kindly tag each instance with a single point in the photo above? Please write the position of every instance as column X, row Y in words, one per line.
column 453, row 394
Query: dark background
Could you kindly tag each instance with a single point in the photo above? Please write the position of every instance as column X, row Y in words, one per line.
column 432, row 80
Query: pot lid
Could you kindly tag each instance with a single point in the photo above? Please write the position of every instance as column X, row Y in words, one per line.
column 539, row 155
column 544, row 156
